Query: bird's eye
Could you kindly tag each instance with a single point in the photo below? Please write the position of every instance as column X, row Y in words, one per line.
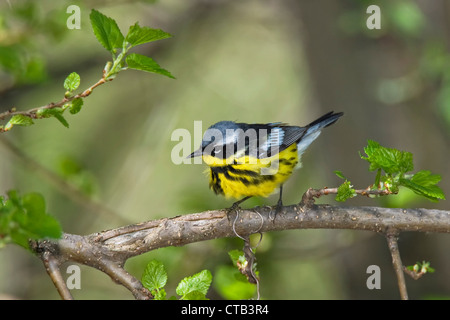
column 217, row 151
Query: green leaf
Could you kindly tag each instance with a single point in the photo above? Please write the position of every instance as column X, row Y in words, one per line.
column 425, row 178
column 345, row 192
column 38, row 221
column 236, row 256
column 20, row 120
column 232, row 285
column 24, row 218
column 195, row 295
column 159, row 294
column 421, row 267
column 425, row 267
column 340, row 174
column 424, row 183
column 430, row 270
column 198, row 282
column 54, row 112
column 155, row 275
column 72, row 82
column 61, row 119
column 144, row 63
column 138, row 35
column 390, row 160
column 396, row 163
column 106, row 31
column 76, row 105
column 432, row 192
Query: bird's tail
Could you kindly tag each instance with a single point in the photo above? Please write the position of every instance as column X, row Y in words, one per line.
column 314, row 128
column 324, row 121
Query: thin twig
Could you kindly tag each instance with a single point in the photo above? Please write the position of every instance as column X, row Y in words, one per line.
column 391, row 237
column 122, row 277
column 250, row 257
column 310, row 194
column 248, row 269
column 52, row 267
column 413, row 274
column 32, row 113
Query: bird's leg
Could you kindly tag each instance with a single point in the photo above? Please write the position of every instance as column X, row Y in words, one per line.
column 279, row 206
column 235, row 206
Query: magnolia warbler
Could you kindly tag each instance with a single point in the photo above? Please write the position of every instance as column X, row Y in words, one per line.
column 247, row 160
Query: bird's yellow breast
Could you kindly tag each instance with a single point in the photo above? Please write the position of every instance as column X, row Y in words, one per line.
column 248, row 176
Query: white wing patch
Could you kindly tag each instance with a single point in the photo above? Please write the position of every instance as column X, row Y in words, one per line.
column 272, row 142
column 276, row 137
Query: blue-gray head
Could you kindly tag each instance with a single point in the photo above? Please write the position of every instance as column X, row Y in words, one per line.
column 218, row 136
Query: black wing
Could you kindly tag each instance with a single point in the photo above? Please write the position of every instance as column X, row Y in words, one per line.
column 272, row 138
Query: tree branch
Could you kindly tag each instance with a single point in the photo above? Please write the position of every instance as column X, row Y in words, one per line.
column 33, row 113
column 310, row 194
column 52, row 267
column 391, row 237
column 109, row 250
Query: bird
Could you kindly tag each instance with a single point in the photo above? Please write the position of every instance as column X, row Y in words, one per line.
column 255, row 160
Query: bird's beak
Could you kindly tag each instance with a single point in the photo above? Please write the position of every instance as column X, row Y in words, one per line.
column 196, row 153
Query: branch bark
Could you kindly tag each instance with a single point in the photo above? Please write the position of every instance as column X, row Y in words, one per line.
column 391, row 237
column 109, row 250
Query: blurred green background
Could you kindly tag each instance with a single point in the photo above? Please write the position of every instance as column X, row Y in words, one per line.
column 251, row 61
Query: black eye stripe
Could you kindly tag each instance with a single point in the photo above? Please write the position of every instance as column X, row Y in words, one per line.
column 224, row 151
